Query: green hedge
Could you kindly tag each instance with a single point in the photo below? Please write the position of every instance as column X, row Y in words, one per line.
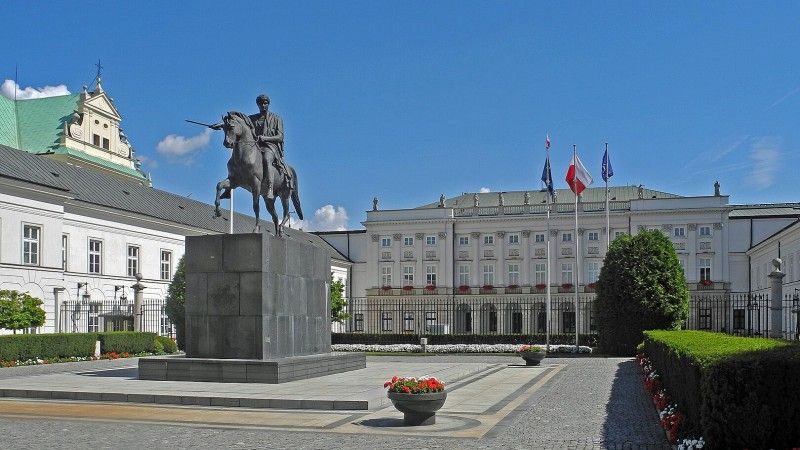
column 444, row 339
column 164, row 344
column 127, row 341
column 22, row 347
column 736, row 392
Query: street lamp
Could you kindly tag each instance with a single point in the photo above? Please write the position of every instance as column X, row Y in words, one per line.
column 85, row 298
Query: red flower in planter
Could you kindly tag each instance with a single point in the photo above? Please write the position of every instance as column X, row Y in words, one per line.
column 541, row 286
column 463, row 288
column 567, row 286
column 386, row 288
column 488, row 287
column 592, row 285
column 430, row 287
column 408, row 288
column 513, row 286
column 706, row 282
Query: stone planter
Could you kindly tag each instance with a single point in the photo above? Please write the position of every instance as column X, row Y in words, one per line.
column 532, row 358
column 418, row 409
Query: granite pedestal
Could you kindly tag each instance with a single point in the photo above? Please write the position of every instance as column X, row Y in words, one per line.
column 257, row 303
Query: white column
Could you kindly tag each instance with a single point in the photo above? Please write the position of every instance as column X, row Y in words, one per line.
column 476, row 260
column 525, row 267
column 499, row 278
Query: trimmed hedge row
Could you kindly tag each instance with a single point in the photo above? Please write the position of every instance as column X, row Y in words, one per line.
column 23, row 347
column 589, row 340
column 736, row 392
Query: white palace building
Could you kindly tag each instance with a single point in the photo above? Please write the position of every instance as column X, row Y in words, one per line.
column 79, row 219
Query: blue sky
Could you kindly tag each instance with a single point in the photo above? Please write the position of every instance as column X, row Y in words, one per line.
column 407, row 100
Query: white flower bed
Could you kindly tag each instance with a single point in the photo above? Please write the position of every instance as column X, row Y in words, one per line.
column 450, row 348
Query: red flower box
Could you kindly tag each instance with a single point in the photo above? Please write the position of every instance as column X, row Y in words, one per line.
column 540, row 286
column 463, row 288
column 592, row 285
column 408, row 288
column 567, row 286
column 706, row 282
column 430, row 287
column 386, row 288
column 487, row 287
column 513, row 286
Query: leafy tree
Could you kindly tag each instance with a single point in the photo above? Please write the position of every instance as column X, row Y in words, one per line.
column 20, row 310
column 337, row 301
column 641, row 287
column 176, row 302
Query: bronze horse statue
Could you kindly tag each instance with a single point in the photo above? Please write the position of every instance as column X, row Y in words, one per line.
column 246, row 169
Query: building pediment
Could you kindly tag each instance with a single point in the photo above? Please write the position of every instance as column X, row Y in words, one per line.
column 100, row 103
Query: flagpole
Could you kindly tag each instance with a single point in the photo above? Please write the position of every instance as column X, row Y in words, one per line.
column 608, row 221
column 577, row 247
column 547, row 300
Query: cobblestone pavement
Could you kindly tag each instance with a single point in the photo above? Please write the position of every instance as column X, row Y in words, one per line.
column 590, row 403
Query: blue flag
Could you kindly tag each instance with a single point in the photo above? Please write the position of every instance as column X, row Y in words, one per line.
column 547, row 178
column 608, row 171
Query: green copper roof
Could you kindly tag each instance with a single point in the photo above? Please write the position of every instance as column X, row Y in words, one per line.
column 8, row 123
column 36, row 126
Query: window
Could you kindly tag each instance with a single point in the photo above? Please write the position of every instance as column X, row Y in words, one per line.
column 463, row 275
column 705, row 318
column 488, row 275
column 408, row 275
column 64, row 251
column 463, row 240
column 705, row 231
column 513, row 274
column 430, row 275
column 166, row 265
column 540, row 273
column 679, row 232
column 408, row 321
column 386, row 276
column 96, row 140
column 618, row 234
column 566, row 237
column 513, row 239
column 165, row 324
column 539, row 237
column 133, row 260
column 430, row 320
column 93, row 319
column 95, row 256
column 106, row 144
column 386, row 321
column 705, row 269
column 594, row 236
column 386, row 242
column 358, row 322
column 488, row 239
column 30, row 244
column 408, row 240
column 430, row 240
column 592, row 271
column 738, row 319
column 566, row 273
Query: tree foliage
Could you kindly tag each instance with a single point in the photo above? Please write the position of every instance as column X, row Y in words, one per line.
column 641, row 287
column 337, row 300
column 19, row 310
column 176, row 302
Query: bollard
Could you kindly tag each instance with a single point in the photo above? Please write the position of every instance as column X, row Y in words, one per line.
column 424, row 343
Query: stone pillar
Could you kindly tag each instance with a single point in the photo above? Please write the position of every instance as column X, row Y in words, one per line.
column 776, row 299
column 57, row 308
column 525, row 269
column 500, row 271
column 138, row 298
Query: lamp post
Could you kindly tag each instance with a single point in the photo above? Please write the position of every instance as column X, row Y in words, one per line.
column 138, row 298
column 796, row 311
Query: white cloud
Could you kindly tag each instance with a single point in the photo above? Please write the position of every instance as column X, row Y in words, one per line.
column 9, row 87
column 176, row 146
column 765, row 155
column 147, row 161
column 485, row 190
column 326, row 218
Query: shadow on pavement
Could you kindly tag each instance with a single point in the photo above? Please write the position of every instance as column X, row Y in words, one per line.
column 631, row 421
column 131, row 373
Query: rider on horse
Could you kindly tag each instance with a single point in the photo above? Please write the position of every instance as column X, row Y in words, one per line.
column 269, row 136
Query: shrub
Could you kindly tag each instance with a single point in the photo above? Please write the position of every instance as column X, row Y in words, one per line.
column 176, row 302
column 22, row 347
column 736, row 392
column 167, row 344
column 19, row 310
column 641, row 287
column 127, row 342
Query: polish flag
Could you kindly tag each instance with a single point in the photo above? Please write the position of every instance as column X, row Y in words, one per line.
column 578, row 177
column 547, row 142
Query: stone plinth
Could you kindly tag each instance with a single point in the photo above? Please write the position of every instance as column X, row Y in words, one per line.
column 255, row 296
column 256, row 312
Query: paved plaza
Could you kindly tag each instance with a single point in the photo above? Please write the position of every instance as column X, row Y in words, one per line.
column 493, row 402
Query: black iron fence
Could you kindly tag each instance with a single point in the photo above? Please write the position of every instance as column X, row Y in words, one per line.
column 735, row 313
column 91, row 316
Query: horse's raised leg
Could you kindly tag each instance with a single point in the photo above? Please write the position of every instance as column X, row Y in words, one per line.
column 221, row 186
column 270, row 202
column 285, row 204
column 255, row 189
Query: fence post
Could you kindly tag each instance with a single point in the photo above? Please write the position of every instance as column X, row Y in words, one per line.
column 776, row 302
column 138, row 298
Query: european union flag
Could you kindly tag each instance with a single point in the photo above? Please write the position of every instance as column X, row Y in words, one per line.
column 547, row 179
column 608, row 171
